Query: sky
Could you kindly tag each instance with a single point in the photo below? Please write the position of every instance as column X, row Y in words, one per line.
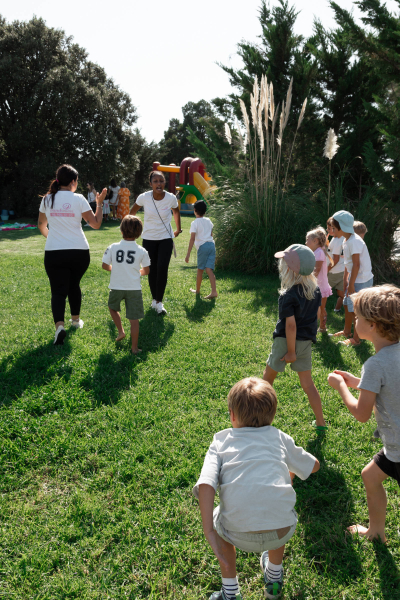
column 165, row 54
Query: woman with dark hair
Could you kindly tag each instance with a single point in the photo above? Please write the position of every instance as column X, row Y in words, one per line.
column 157, row 234
column 66, row 256
column 114, row 188
column 91, row 198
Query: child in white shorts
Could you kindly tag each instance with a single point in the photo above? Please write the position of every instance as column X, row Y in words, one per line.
column 253, row 465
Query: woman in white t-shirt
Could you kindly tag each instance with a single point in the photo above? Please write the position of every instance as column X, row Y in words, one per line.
column 114, row 189
column 157, row 234
column 66, row 256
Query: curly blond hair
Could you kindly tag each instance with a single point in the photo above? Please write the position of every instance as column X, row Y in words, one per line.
column 380, row 305
column 320, row 234
column 289, row 278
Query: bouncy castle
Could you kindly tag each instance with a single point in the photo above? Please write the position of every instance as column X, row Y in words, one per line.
column 193, row 182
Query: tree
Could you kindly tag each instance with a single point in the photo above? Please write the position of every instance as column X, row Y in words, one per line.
column 56, row 106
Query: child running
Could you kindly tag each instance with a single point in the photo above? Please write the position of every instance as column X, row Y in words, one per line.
column 357, row 272
column 252, row 464
column 377, row 311
column 316, row 241
column 336, row 267
column 124, row 260
column 201, row 236
column 296, row 329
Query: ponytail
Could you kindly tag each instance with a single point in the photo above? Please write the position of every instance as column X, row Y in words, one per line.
column 64, row 176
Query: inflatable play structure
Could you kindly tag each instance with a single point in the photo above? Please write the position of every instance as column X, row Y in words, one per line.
column 193, row 182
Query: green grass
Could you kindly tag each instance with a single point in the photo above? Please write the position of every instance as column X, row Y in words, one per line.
column 100, row 450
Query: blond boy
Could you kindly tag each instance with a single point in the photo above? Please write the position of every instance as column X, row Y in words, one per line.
column 377, row 312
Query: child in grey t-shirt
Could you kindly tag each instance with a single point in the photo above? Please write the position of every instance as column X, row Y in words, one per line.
column 377, row 312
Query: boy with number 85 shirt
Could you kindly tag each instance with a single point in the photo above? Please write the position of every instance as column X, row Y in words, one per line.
column 124, row 260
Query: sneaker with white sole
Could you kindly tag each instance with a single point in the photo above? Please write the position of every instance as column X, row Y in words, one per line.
column 273, row 589
column 221, row 596
column 160, row 308
column 60, row 336
column 78, row 324
column 154, row 304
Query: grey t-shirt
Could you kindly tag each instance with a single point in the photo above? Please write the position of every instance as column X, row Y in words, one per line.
column 381, row 374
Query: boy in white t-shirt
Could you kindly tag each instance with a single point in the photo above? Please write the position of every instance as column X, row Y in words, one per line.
column 357, row 271
column 202, row 237
column 253, row 465
column 124, row 260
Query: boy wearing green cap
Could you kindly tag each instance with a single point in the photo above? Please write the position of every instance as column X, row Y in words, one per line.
column 357, row 271
column 296, row 329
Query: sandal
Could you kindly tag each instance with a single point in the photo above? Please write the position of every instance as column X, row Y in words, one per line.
column 349, row 342
column 319, row 428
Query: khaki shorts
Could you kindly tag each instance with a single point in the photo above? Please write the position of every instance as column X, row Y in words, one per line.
column 335, row 280
column 279, row 349
column 133, row 303
column 251, row 541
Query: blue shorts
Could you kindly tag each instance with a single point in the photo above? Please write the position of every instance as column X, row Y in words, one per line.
column 357, row 287
column 206, row 256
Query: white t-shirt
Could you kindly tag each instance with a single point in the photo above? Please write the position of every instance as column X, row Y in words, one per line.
column 356, row 245
column 202, row 227
column 91, row 197
column 157, row 226
column 64, row 219
column 336, row 248
column 126, row 259
column 250, row 467
column 115, row 191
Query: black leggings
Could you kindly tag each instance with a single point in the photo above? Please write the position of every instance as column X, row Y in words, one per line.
column 160, row 252
column 65, row 269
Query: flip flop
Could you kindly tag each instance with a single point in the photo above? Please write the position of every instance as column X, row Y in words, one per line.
column 349, row 342
column 319, row 428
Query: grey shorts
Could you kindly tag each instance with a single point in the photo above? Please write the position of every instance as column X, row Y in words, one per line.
column 133, row 303
column 249, row 541
column 357, row 288
column 206, row 256
column 335, row 280
column 279, row 349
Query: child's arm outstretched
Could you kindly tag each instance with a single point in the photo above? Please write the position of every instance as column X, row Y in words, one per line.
column 291, row 331
column 360, row 408
column 191, row 242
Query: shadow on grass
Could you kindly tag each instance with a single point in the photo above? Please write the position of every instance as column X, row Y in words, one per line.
column 389, row 573
column 325, row 507
column 201, row 308
column 264, row 288
column 33, row 369
column 19, row 234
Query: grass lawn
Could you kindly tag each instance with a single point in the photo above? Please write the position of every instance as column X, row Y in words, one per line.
column 100, row 449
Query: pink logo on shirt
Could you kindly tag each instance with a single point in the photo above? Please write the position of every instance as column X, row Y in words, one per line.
column 59, row 213
column 66, row 206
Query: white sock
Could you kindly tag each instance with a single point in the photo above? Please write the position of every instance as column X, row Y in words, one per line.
column 230, row 587
column 273, row 572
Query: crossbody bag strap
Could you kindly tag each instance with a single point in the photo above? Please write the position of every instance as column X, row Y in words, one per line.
column 166, row 228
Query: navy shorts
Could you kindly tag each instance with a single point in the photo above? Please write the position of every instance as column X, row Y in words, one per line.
column 206, row 256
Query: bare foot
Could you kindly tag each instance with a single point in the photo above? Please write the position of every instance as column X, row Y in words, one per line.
column 340, row 334
column 210, row 296
column 194, row 291
column 364, row 532
column 136, row 351
column 120, row 336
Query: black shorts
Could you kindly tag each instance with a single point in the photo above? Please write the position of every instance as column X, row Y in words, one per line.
column 390, row 468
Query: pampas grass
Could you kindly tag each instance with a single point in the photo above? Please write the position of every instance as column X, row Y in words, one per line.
column 330, row 149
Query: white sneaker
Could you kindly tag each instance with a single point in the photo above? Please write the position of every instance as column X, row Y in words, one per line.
column 60, row 336
column 78, row 324
column 160, row 309
column 154, row 304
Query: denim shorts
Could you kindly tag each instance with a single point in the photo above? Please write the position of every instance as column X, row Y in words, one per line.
column 357, row 287
column 206, row 256
column 250, row 541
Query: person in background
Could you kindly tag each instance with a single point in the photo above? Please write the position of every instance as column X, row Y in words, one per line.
column 114, row 188
column 66, row 256
column 316, row 241
column 91, row 198
column 123, row 201
column 336, row 270
column 360, row 229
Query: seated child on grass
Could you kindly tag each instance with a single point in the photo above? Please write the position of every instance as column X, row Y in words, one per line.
column 296, row 329
column 377, row 311
column 253, row 465
column 201, row 236
column 124, row 260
